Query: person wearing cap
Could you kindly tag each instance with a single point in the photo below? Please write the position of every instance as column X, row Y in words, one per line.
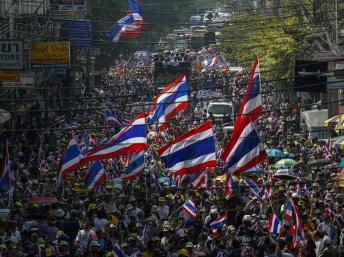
column 328, row 250
column 327, row 228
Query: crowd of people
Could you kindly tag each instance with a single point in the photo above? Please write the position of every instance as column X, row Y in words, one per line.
column 144, row 217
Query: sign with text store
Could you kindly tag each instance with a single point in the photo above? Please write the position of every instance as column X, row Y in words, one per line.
column 50, row 55
column 11, row 54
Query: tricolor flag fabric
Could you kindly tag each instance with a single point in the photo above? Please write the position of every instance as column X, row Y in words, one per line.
column 229, row 186
column 72, row 157
column 170, row 101
column 190, row 208
column 96, row 176
column 117, row 251
column 209, row 64
column 111, row 119
column 292, row 213
column 251, row 105
column 252, row 186
column 191, row 152
column 275, row 224
column 130, row 26
column 200, row 179
column 218, row 223
column 245, row 148
column 131, row 138
column 135, row 167
column 7, row 179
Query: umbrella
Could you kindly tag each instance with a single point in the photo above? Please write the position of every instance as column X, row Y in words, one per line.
column 4, row 116
column 163, row 180
column 318, row 162
column 43, row 200
column 253, row 170
column 285, row 174
column 334, row 120
column 285, row 163
column 275, row 153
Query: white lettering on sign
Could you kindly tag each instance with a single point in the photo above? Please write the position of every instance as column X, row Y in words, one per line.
column 11, row 55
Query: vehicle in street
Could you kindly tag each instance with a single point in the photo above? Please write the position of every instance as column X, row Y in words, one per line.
column 220, row 109
column 195, row 20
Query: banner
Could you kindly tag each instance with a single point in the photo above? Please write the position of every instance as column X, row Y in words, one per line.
column 11, row 54
column 9, row 75
column 50, row 54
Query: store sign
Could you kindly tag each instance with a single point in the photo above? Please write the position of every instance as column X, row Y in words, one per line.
column 11, row 55
column 9, row 75
column 50, row 54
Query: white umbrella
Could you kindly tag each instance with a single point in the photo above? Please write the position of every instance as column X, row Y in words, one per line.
column 4, row 116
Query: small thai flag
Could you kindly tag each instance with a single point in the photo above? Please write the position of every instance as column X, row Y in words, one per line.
column 274, row 224
column 229, row 186
column 111, row 119
column 117, row 251
column 190, row 208
column 218, row 223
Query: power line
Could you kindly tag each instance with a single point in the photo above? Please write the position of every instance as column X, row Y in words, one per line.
column 171, row 122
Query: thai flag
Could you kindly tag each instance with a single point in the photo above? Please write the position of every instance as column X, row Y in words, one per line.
column 131, row 138
column 96, row 176
column 72, row 157
column 117, row 250
column 130, row 26
column 209, row 64
column 191, row 152
column 329, row 210
column 200, row 179
column 135, row 167
column 190, row 208
column 111, row 119
column 229, row 186
column 218, row 223
column 70, row 125
column 292, row 213
column 244, row 149
column 275, row 224
column 7, row 179
column 170, row 101
column 155, row 185
column 252, row 186
column 251, row 105
column 267, row 194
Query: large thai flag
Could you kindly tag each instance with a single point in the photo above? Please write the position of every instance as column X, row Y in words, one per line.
column 209, row 64
column 131, row 138
column 191, row 152
column 245, row 148
column 218, row 223
column 135, row 167
column 170, row 101
column 190, row 208
column 111, row 119
column 251, row 105
column 72, row 157
column 229, row 186
column 117, row 250
column 96, row 176
column 275, row 224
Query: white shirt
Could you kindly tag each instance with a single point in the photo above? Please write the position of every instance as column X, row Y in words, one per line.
column 84, row 237
column 319, row 246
